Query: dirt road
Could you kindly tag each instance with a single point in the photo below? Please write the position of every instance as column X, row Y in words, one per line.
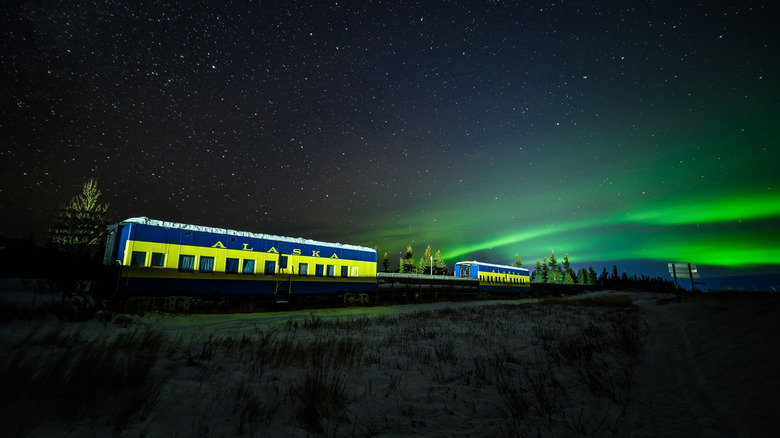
column 709, row 368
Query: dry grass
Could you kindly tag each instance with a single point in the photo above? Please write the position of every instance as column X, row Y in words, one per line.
column 553, row 368
column 58, row 375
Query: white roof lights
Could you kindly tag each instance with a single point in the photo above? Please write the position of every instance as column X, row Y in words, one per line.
column 216, row 230
column 491, row 265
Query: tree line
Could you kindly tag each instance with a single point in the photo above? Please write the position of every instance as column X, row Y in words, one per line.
column 550, row 271
column 429, row 263
column 547, row 271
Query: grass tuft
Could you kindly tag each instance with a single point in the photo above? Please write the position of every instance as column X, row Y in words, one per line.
column 108, row 382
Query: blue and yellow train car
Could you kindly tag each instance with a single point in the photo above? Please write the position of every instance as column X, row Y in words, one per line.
column 495, row 278
column 157, row 258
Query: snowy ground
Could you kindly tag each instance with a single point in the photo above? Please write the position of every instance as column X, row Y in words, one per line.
column 597, row 367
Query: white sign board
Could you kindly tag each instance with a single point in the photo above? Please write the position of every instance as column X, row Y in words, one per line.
column 682, row 270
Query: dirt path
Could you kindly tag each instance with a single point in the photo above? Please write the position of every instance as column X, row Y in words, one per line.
column 671, row 397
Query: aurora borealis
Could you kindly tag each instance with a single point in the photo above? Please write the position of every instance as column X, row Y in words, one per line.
column 630, row 134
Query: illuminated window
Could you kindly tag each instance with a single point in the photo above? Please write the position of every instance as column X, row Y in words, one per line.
column 138, row 258
column 206, row 264
column 249, row 267
column 158, row 259
column 186, row 263
column 331, row 270
column 303, row 269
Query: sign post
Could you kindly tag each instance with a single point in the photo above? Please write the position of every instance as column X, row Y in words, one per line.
column 685, row 270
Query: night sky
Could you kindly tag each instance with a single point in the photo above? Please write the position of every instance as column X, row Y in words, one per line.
column 635, row 133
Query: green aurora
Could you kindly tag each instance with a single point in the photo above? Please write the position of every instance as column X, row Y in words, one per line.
column 721, row 210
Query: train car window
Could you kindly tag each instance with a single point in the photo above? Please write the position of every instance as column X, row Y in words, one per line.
column 270, row 267
column 186, row 263
column 331, row 270
column 303, row 269
column 319, row 270
column 138, row 258
column 354, row 271
column 206, row 264
column 231, row 266
column 158, row 259
column 345, row 271
column 283, row 262
column 249, row 267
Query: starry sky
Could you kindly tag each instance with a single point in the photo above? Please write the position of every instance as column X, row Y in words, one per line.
column 635, row 133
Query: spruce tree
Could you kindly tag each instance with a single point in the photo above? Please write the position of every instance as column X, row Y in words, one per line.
column 425, row 261
column 582, row 276
column 591, row 276
column 406, row 264
column 538, row 277
column 554, row 274
column 80, row 225
column 78, row 232
column 567, row 269
column 604, row 277
column 385, row 263
column 439, row 267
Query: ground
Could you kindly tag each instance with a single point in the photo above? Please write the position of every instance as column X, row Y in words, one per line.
column 602, row 364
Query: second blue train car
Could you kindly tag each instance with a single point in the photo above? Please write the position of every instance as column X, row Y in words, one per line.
column 495, row 278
